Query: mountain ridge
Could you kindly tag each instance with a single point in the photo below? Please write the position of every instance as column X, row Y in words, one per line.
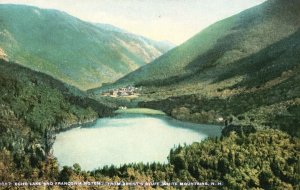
column 245, row 66
column 230, row 32
column 70, row 49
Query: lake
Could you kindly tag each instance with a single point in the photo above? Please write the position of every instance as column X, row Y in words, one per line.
column 127, row 138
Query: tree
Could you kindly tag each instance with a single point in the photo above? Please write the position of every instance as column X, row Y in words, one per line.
column 66, row 174
column 77, row 168
column 49, row 139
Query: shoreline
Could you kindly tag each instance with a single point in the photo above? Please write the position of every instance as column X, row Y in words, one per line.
column 76, row 125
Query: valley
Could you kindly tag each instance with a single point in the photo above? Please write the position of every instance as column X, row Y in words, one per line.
column 91, row 102
column 245, row 66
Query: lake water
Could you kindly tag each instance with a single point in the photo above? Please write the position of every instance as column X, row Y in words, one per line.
column 127, row 138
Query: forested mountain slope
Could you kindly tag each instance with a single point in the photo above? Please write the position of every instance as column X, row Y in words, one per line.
column 246, row 66
column 224, row 44
column 33, row 106
column 77, row 52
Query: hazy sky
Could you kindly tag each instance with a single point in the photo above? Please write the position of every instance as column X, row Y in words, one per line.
column 172, row 20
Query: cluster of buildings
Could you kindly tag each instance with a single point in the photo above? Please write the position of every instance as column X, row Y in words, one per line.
column 124, row 91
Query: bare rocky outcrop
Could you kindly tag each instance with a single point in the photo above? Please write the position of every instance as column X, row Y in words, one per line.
column 3, row 55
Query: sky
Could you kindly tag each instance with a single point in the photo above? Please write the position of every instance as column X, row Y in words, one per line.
column 165, row 20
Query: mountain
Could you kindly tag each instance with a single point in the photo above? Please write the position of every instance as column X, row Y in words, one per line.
column 225, row 42
column 33, row 107
column 110, row 27
column 246, row 72
column 134, row 40
column 245, row 66
column 77, row 52
column 40, row 101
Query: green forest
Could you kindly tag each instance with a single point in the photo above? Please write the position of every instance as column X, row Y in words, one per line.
column 66, row 47
column 242, row 73
column 267, row 158
column 34, row 107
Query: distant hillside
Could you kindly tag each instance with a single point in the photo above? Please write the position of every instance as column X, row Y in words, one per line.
column 224, row 43
column 77, row 52
column 245, row 66
column 133, row 39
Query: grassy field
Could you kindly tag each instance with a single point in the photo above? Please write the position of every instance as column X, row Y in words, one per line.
column 140, row 111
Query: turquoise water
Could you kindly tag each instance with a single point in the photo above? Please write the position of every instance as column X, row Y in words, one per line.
column 127, row 138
